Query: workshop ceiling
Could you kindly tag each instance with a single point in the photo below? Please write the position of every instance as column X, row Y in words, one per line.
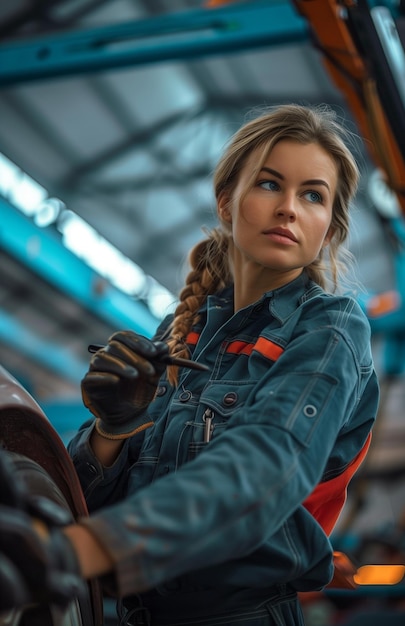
column 130, row 148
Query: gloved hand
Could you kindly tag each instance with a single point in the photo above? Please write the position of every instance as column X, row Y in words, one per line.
column 37, row 561
column 122, row 381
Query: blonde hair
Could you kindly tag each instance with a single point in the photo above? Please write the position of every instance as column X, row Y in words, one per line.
column 210, row 259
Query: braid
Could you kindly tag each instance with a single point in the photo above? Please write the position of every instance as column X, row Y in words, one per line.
column 209, row 273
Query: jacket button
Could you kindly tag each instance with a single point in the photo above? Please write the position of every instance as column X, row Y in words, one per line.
column 160, row 391
column 230, row 398
column 185, row 396
column 310, row 410
column 92, row 468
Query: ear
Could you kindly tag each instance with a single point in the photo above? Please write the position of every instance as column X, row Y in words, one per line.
column 223, row 207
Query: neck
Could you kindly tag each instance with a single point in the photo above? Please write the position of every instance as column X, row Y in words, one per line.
column 249, row 286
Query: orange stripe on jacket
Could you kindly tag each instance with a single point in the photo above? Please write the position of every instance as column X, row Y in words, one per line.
column 266, row 347
column 192, row 338
column 269, row 349
column 240, row 347
column 328, row 498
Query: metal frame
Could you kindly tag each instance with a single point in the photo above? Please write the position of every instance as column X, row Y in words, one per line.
column 40, row 250
column 170, row 37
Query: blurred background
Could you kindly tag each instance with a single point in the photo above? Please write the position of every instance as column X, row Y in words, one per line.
column 113, row 114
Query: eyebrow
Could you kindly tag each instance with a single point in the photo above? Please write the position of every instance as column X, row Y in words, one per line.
column 312, row 181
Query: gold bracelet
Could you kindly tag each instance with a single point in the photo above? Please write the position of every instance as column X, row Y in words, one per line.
column 120, row 436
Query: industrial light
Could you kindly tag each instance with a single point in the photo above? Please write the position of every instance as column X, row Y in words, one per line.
column 29, row 197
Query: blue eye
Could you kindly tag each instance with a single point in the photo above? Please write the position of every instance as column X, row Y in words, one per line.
column 313, row 196
column 270, row 185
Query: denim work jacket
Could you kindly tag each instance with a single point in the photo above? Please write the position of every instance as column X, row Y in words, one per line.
column 242, row 477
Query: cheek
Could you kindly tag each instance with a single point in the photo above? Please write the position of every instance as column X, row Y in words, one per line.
column 249, row 213
column 315, row 234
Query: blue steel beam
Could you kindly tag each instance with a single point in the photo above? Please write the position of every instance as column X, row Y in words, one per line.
column 170, row 37
column 41, row 250
column 54, row 357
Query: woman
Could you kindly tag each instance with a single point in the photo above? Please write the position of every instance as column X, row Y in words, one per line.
column 213, row 493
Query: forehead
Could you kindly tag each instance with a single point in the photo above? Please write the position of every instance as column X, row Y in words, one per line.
column 292, row 158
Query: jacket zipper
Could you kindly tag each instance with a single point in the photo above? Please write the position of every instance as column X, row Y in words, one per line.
column 208, row 427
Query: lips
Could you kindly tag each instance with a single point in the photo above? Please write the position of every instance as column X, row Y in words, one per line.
column 283, row 232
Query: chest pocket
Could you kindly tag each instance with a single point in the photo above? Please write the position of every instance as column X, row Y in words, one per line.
column 218, row 402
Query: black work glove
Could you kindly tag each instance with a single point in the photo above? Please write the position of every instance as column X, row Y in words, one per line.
column 121, row 383
column 37, row 561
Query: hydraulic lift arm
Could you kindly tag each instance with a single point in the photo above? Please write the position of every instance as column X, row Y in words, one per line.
column 342, row 31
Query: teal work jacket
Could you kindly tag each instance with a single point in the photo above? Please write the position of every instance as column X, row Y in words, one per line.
column 241, row 479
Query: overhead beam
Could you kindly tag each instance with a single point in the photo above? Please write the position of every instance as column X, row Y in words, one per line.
column 164, row 38
column 42, row 252
column 56, row 358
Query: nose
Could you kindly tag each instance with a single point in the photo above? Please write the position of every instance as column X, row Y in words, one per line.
column 286, row 208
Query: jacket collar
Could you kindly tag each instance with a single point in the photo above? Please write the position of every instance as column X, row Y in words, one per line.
column 281, row 302
column 285, row 300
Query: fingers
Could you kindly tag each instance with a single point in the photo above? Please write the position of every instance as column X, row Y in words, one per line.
column 17, row 536
column 136, row 344
column 12, row 492
column 121, row 381
column 161, row 348
column 98, row 389
column 129, row 355
column 14, row 592
column 47, row 513
column 42, row 561
column 117, row 360
column 149, row 350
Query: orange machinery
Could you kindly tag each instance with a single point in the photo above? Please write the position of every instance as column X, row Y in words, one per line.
column 337, row 26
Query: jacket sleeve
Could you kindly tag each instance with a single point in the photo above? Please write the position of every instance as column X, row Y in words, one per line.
column 240, row 490
column 106, row 485
column 102, row 485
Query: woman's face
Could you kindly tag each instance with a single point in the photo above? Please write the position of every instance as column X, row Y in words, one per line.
column 283, row 221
